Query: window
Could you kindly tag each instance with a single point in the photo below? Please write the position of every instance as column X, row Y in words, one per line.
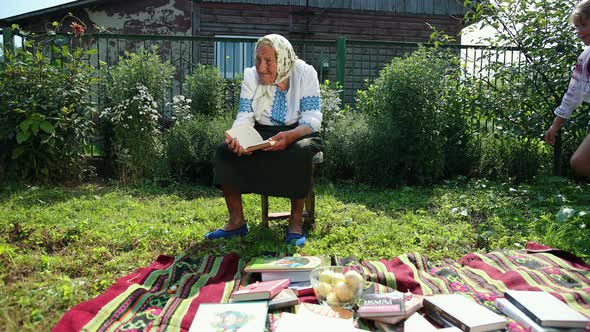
column 234, row 54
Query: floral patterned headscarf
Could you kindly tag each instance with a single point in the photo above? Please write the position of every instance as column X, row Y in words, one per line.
column 286, row 59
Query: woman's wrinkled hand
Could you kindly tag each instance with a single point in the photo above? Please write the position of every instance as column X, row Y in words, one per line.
column 235, row 147
column 550, row 135
column 282, row 141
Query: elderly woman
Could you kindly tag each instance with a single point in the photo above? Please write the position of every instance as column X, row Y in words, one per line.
column 280, row 97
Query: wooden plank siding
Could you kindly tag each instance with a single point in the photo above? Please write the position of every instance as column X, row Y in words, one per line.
column 255, row 20
column 437, row 7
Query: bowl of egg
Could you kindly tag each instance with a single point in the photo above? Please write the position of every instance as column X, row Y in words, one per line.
column 338, row 286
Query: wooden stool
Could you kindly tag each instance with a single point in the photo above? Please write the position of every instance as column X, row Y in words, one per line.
column 309, row 207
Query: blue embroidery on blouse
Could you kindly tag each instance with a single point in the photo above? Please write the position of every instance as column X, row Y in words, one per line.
column 305, row 123
column 279, row 108
column 309, row 104
column 246, row 105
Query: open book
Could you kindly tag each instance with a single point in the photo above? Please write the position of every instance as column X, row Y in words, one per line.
column 248, row 137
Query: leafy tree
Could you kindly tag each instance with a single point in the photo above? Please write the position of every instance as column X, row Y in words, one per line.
column 532, row 86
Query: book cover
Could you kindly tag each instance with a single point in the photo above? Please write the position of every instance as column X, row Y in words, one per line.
column 242, row 317
column 411, row 306
column 417, row 323
column 248, row 137
column 464, row 313
column 260, row 290
column 546, row 310
column 315, row 317
column 525, row 321
column 285, row 298
column 383, row 304
column 294, row 276
column 283, row 264
column 302, row 287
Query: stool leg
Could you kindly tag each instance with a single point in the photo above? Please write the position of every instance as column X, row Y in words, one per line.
column 264, row 208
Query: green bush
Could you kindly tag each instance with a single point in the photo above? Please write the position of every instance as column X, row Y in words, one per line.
column 407, row 120
column 205, row 87
column 344, row 140
column 45, row 112
column 134, row 91
column 507, row 158
column 331, row 104
column 190, row 146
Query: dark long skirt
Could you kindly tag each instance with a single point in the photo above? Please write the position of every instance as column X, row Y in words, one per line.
column 284, row 173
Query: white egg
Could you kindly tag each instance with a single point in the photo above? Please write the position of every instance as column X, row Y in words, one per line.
column 343, row 292
column 332, row 299
column 337, row 277
column 323, row 289
column 326, row 276
column 354, row 279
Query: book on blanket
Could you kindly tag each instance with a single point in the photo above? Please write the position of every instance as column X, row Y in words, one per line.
column 284, row 264
column 248, row 137
column 243, row 317
column 411, row 305
column 285, row 298
column 294, row 276
column 383, row 304
column 316, row 317
column 294, row 268
column 525, row 321
column 301, row 287
column 463, row 313
column 545, row 309
column 259, row 290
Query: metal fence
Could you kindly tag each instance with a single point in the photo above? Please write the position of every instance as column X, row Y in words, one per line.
column 350, row 62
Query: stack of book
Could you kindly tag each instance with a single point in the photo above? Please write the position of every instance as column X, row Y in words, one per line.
column 455, row 310
column 294, row 268
column 541, row 312
column 247, row 308
column 275, row 291
column 388, row 308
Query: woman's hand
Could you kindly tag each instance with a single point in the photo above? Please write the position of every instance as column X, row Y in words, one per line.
column 235, row 147
column 552, row 131
column 282, row 141
column 550, row 135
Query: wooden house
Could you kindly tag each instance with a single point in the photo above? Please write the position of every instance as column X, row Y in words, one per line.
column 364, row 29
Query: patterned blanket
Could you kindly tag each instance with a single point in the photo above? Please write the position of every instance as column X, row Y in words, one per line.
column 166, row 295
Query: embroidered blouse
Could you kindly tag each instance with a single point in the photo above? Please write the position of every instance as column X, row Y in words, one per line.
column 579, row 87
column 299, row 104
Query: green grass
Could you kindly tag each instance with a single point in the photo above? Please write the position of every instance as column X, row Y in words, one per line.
column 63, row 245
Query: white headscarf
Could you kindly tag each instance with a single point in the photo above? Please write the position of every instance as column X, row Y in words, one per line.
column 263, row 96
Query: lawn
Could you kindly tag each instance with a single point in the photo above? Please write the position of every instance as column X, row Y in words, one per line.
column 63, row 245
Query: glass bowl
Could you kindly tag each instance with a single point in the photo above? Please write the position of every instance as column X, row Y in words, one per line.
column 338, row 286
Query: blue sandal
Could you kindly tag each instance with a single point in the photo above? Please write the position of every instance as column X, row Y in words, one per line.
column 296, row 239
column 223, row 234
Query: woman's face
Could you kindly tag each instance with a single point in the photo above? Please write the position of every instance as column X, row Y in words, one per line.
column 583, row 30
column 266, row 64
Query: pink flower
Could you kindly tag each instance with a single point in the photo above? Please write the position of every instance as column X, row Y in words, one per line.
column 459, row 287
column 77, row 28
column 487, row 296
column 154, row 310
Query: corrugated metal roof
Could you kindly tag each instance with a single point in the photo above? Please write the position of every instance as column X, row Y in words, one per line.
column 437, row 7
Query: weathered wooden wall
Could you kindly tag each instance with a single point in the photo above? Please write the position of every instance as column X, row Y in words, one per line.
column 253, row 20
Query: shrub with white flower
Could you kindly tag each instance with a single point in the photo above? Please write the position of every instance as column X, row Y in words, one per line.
column 181, row 108
column 140, row 112
column 135, row 125
column 133, row 94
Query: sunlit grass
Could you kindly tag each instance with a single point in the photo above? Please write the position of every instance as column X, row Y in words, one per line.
column 63, row 245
